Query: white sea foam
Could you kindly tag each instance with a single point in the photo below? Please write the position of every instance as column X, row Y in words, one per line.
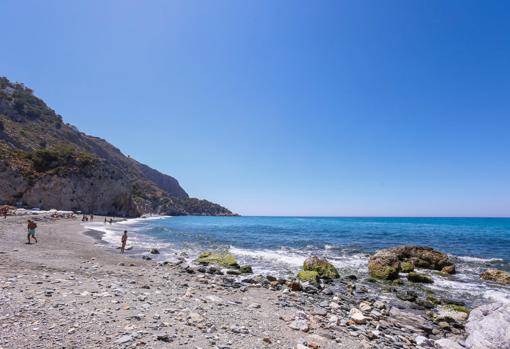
column 470, row 259
column 293, row 258
column 497, row 296
column 113, row 232
column 278, row 256
column 141, row 219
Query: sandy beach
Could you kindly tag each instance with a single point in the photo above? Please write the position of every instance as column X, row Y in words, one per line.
column 72, row 291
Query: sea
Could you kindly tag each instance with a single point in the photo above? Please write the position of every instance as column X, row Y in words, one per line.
column 279, row 245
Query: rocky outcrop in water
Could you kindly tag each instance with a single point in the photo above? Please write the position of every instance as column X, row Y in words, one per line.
column 387, row 263
column 324, row 269
column 47, row 163
column 499, row 276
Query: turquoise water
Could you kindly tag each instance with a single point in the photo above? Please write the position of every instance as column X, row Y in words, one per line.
column 477, row 237
column 279, row 245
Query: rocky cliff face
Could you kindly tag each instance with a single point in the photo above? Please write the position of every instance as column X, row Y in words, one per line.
column 49, row 164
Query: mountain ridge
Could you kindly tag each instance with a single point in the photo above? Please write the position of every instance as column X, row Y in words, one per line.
column 47, row 163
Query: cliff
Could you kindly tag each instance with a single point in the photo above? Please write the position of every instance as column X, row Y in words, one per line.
column 47, row 163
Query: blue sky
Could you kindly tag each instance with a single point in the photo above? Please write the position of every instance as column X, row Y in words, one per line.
column 395, row 108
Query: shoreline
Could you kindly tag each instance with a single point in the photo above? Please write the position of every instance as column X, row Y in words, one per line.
column 285, row 262
column 69, row 290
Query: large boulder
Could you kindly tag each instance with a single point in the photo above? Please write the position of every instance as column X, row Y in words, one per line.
column 387, row 263
column 425, row 257
column 221, row 258
column 325, row 269
column 384, row 264
column 499, row 276
column 488, row 327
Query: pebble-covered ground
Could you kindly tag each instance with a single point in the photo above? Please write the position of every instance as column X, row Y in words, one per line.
column 69, row 291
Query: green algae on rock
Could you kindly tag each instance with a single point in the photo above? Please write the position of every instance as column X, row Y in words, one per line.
column 406, row 267
column 387, row 263
column 325, row 269
column 419, row 278
column 221, row 258
column 308, row 276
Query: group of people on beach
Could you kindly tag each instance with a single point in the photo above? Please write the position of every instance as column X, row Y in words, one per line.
column 32, row 226
column 86, row 218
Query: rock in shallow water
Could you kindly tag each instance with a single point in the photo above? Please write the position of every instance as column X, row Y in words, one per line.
column 223, row 259
column 499, row 276
column 325, row 269
column 420, row 278
column 386, row 263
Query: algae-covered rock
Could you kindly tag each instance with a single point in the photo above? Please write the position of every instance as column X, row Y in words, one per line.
column 420, row 278
column 406, row 267
column 246, row 269
column 425, row 257
column 384, row 265
column 499, row 276
column 397, row 282
column 449, row 313
column 308, row 276
column 433, row 299
column 324, row 268
column 222, row 258
column 459, row 308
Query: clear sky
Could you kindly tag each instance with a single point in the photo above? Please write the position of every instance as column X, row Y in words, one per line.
column 286, row 107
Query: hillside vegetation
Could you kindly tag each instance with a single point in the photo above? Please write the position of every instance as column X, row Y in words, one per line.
column 47, row 163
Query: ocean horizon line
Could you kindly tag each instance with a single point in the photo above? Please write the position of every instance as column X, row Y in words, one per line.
column 333, row 216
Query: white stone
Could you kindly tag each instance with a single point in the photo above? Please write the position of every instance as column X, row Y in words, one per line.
column 214, row 299
column 364, row 306
column 379, row 305
column 334, row 305
column 301, row 325
column 124, row 339
column 357, row 316
column 445, row 343
column 424, row 341
column 488, row 327
column 254, row 306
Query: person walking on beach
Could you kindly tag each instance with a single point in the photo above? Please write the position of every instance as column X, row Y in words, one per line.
column 123, row 240
column 31, row 231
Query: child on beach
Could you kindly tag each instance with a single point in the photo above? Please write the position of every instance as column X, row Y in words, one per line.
column 123, row 240
column 31, row 231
